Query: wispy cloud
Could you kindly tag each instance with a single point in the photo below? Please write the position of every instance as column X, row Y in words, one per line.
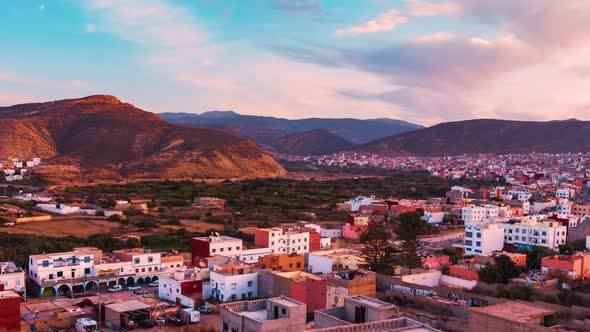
column 41, row 7
column 385, row 22
column 296, row 6
column 437, row 37
column 425, row 8
column 90, row 28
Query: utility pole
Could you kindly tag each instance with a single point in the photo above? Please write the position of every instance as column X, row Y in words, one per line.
column 99, row 308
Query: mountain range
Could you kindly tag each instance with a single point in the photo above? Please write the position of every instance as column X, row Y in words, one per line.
column 267, row 131
column 102, row 136
column 488, row 136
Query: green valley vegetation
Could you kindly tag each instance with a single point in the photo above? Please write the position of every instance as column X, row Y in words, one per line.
column 273, row 200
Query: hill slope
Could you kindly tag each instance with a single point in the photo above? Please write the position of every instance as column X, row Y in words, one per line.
column 489, row 136
column 264, row 130
column 313, row 142
column 101, row 132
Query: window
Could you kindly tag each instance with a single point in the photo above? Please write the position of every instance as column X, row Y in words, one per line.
column 149, row 269
column 468, row 242
column 17, row 282
column 136, row 260
column 143, row 269
column 60, row 274
column 544, row 233
column 234, row 286
column 468, row 234
column 228, row 248
column 478, row 243
column 250, row 283
column 237, row 248
column 87, row 270
column 212, row 250
column 45, row 263
column 283, row 311
column 478, row 235
column 87, row 259
column 221, row 249
column 50, row 276
column 150, row 259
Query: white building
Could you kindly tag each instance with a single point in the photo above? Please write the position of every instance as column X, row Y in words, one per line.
column 483, row 239
column 87, row 268
column 251, row 255
column 564, row 206
column 528, row 233
column 59, row 208
column 283, row 241
column 332, row 233
column 233, row 282
column 433, row 217
column 184, row 286
column 12, row 277
column 324, row 261
column 520, row 194
column 216, row 245
column 564, row 193
column 357, row 202
column 474, row 213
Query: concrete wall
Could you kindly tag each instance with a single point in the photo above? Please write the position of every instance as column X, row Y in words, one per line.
column 429, row 279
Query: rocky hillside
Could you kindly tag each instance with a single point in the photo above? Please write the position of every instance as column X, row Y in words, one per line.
column 489, row 136
column 104, row 134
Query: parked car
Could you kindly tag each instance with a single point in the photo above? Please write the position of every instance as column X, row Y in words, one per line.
column 154, row 283
column 148, row 323
column 115, row 288
column 133, row 287
column 205, row 309
column 141, row 292
column 175, row 321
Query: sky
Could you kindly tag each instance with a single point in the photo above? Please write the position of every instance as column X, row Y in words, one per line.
column 422, row 61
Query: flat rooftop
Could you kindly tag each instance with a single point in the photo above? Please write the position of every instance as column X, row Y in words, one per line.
column 514, row 311
column 285, row 301
column 126, row 306
column 371, row 301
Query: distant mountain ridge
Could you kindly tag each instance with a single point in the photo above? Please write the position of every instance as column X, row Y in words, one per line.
column 265, row 129
column 488, row 136
column 102, row 133
column 314, row 142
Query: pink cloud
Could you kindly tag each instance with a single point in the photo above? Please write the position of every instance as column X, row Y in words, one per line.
column 425, row 8
column 385, row 22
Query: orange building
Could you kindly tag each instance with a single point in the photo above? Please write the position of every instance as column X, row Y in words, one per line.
column 571, row 267
column 463, row 272
column 282, row 262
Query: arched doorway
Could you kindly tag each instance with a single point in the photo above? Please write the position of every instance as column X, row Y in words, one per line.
column 91, row 286
column 122, row 281
column 78, row 289
column 130, row 281
column 154, row 279
column 64, row 290
column 147, row 280
column 139, row 281
column 112, row 283
column 48, row 292
column 102, row 286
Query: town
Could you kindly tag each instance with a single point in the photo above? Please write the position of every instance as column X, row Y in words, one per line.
column 508, row 250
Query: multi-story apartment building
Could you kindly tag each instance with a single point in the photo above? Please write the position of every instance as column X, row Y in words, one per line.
column 275, row 314
column 530, row 233
column 286, row 241
column 207, row 246
column 520, row 194
column 564, row 193
column 282, row 262
column 325, row 261
column 472, row 213
column 233, row 281
column 483, row 239
column 12, row 278
column 88, row 269
column 581, row 209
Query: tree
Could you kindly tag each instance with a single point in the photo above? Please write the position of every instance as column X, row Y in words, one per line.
column 409, row 229
column 99, row 213
column 377, row 249
column 534, row 256
column 501, row 271
column 567, row 248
